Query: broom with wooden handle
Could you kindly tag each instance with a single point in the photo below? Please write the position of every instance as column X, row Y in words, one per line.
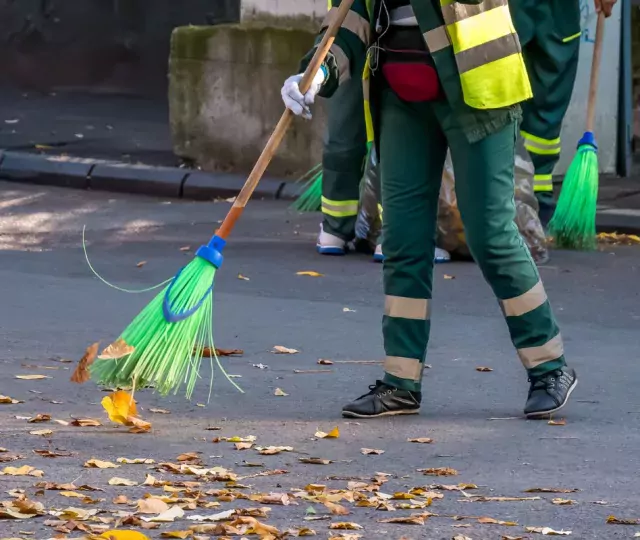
column 573, row 225
column 163, row 346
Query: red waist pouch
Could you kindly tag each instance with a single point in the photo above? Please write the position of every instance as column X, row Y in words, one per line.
column 412, row 79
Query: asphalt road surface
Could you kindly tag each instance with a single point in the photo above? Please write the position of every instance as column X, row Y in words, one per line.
column 52, row 308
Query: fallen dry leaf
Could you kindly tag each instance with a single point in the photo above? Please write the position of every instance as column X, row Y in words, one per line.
column 551, row 490
column 51, row 453
column 561, row 422
column 315, row 461
column 461, row 537
column 32, row 377
column 333, row 434
column 279, row 349
column 439, row 471
column 346, row 526
column 141, row 264
column 500, row 499
column 309, row 273
column 160, row 411
column 41, row 432
column 301, row 531
column 613, row 520
column 38, row 418
column 99, row 464
column 484, row 369
column 563, row 502
column 121, row 408
column 85, row 422
column 324, row 362
column 405, row 520
column 176, row 534
column 118, row 349
column 491, row 521
column 371, row 452
column 421, row 440
column 123, row 535
column 273, row 450
column 206, row 351
column 221, row 516
column 6, row 400
column 336, row 509
column 185, row 248
column 81, row 374
column 136, row 461
column 345, row 536
column 506, row 537
column 25, row 470
column 7, row 457
column 243, row 445
column 281, row 499
column 152, row 505
column 547, row 531
column 243, row 278
column 447, row 276
column 116, row 481
column 280, row 393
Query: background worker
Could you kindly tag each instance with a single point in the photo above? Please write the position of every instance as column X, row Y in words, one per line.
column 451, row 93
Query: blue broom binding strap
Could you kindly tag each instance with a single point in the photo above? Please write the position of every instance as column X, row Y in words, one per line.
column 212, row 252
column 588, row 139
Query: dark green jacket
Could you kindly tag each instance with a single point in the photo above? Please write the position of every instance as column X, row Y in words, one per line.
column 350, row 50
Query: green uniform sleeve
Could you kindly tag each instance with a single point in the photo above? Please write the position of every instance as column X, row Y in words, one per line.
column 349, row 49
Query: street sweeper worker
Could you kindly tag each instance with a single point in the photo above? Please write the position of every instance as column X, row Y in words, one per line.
column 444, row 75
column 549, row 31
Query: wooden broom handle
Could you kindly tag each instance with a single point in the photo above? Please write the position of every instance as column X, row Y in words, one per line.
column 595, row 74
column 283, row 125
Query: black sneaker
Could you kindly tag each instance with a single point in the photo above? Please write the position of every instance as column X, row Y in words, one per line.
column 383, row 400
column 550, row 392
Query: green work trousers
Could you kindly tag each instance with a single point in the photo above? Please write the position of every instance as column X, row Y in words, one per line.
column 414, row 138
column 345, row 151
column 549, row 32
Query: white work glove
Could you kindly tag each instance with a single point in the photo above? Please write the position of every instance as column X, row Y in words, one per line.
column 293, row 98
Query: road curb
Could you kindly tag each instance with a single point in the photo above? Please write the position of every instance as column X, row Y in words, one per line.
column 105, row 175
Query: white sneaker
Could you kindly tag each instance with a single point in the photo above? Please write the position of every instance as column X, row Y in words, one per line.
column 441, row 255
column 329, row 244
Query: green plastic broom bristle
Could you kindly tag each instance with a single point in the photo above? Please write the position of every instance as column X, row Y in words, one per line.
column 167, row 354
column 310, row 200
column 573, row 225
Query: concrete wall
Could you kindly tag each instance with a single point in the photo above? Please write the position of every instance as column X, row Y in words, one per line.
column 224, row 96
column 283, row 8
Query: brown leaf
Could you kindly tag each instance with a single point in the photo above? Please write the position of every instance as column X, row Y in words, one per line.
column 506, row 537
column 336, row 509
column 243, row 278
column 118, row 349
column 138, row 425
column 176, row 534
column 405, row 520
column 561, row 422
column 121, row 499
column 188, row 456
column 206, row 352
column 500, row 499
column 7, row 457
column 38, row 418
column 81, row 374
column 484, row 369
column 346, row 526
column 547, row 531
column 371, row 452
column 551, row 490
column 41, row 432
column 315, row 461
column 301, row 531
column 281, row 499
column 324, row 362
column 279, row 349
column 439, row 471
column 141, row 264
column 6, row 400
column 51, row 453
column 273, row 450
column 85, row 422
column 243, row 445
column 98, row 464
column 491, row 521
column 613, row 520
column 563, row 502
column 421, row 440
column 160, row 411
column 447, row 276
column 461, row 537
column 152, row 505
column 32, row 377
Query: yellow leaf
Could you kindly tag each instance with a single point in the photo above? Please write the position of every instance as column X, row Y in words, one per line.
column 98, row 464
column 8, row 401
column 491, row 521
column 279, row 349
column 72, row 494
column 273, row 450
column 371, row 452
column 421, row 440
column 346, row 526
column 439, row 471
column 406, row 520
column 243, row 278
column 302, row 531
column 25, row 470
column 152, row 505
column 309, row 273
column 613, row 520
column 136, row 461
column 32, row 377
column 118, row 349
column 119, row 406
column 123, row 535
column 280, row 393
column 115, row 481
column 336, row 509
column 41, row 432
column 333, row 434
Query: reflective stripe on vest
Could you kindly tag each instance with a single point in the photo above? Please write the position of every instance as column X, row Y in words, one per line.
column 487, row 52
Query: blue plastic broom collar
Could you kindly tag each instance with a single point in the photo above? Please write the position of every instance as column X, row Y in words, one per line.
column 212, row 252
column 588, row 138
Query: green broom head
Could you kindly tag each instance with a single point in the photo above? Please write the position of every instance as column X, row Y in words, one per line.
column 171, row 334
column 573, row 225
column 310, row 198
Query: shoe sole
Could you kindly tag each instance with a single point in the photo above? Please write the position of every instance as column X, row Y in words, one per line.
column 380, row 258
column 331, row 251
column 349, row 414
column 534, row 415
